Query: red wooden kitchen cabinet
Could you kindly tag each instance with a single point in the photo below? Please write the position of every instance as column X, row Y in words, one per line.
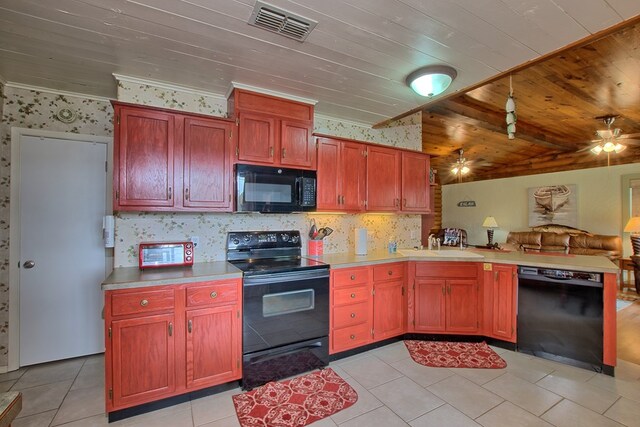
column 144, row 160
column 142, row 360
column 446, row 298
column 273, row 131
column 415, row 183
column 164, row 341
column 500, row 284
column 171, row 161
column 389, row 303
column 383, row 179
column 351, row 309
column 342, row 172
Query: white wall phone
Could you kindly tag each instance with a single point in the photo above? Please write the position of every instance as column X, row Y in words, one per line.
column 108, row 231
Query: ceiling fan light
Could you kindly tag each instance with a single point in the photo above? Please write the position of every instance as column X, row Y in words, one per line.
column 455, row 170
column 609, row 147
column 431, row 80
column 597, row 149
column 619, row 147
column 464, row 170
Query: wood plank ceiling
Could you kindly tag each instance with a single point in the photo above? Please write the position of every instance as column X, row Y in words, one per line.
column 558, row 103
column 354, row 62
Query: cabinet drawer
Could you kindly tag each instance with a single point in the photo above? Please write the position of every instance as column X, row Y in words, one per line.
column 447, row 269
column 350, row 337
column 351, row 295
column 350, row 315
column 212, row 293
column 123, row 304
column 388, row 272
column 351, row 276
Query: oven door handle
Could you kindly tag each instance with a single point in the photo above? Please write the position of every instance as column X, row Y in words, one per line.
column 290, row 276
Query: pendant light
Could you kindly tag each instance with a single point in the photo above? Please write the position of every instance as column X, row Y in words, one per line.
column 432, row 80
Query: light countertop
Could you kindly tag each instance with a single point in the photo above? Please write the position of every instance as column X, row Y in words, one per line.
column 597, row 264
column 133, row 277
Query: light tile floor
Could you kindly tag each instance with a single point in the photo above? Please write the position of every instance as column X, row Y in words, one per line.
column 393, row 391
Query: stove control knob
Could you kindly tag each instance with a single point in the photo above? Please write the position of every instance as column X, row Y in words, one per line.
column 247, row 238
column 285, row 237
column 235, row 241
column 295, row 239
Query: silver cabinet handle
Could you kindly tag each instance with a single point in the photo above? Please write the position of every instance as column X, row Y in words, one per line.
column 29, row 264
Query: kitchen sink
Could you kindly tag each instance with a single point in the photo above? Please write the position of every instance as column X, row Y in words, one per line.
column 442, row 253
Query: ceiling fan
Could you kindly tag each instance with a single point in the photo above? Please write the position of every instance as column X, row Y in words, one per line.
column 462, row 166
column 610, row 139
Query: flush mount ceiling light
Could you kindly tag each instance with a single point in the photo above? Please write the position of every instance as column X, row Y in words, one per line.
column 432, row 80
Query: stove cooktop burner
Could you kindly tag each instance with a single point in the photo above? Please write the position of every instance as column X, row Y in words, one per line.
column 275, row 265
column 263, row 252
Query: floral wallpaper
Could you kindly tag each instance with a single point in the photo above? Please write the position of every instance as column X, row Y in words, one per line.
column 211, row 228
column 403, row 133
column 146, row 94
column 36, row 110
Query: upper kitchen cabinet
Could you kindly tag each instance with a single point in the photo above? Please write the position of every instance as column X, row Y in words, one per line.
column 171, row 161
column 415, row 183
column 273, row 131
column 383, row 179
column 342, row 175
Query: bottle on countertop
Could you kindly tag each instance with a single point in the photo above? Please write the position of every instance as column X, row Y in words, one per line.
column 392, row 245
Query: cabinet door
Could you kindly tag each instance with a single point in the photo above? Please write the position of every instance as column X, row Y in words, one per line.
column 213, row 346
column 144, row 152
column 297, row 147
column 256, row 138
column 415, row 182
column 353, row 176
column 462, row 305
column 388, row 309
column 328, row 168
column 143, row 359
column 383, row 179
column 504, row 302
column 430, row 305
column 207, row 171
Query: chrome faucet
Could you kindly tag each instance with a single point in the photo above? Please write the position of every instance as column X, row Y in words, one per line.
column 430, row 241
column 438, row 243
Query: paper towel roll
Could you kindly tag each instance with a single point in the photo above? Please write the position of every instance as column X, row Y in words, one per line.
column 361, row 241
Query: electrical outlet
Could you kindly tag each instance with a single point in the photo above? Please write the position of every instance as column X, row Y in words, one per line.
column 195, row 240
column 414, row 234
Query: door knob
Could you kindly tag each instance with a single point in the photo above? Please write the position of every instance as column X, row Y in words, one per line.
column 29, row 264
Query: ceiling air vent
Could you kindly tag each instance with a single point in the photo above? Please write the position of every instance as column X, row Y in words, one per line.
column 280, row 21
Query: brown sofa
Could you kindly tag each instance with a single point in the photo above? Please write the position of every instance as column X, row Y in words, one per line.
column 577, row 244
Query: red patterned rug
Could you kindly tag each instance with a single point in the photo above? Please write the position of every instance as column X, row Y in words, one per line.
column 454, row 354
column 296, row 402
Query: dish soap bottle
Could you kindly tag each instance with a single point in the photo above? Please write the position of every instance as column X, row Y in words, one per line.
column 392, row 245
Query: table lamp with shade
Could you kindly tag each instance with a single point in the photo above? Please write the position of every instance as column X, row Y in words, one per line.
column 490, row 223
column 633, row 227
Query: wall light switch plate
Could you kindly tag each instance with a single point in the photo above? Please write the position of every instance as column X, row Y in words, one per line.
column 195, row 240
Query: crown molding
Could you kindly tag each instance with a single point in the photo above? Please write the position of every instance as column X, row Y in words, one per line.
column 167, row 86
column 236, row 85
column 56, row 91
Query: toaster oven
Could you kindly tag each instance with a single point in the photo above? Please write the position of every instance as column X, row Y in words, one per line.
column 165, row 254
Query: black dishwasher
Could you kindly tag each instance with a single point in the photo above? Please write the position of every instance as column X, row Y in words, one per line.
column 560, row 315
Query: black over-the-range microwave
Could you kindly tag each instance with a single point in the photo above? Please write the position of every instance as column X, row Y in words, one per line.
column 274, row 190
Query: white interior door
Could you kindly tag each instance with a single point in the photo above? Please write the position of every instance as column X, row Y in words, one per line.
column 62, row 202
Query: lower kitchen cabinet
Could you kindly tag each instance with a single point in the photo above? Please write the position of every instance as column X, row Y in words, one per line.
column 351, row 306
column 446, row 298
column 164, row 341
column 142, row 359
column 364, row 310
column 389, row 305
column 501, row 285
